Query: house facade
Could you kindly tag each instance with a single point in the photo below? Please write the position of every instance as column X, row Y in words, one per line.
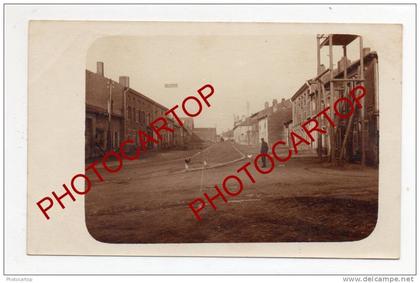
column 115, row 112
column 243, row 132
column 267, row 124
column 315, row 95
column 271, row 121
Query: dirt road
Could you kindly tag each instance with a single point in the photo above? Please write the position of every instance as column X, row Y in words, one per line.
column 303, row 200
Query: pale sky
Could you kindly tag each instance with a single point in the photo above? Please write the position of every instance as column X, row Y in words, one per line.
column 241, row 69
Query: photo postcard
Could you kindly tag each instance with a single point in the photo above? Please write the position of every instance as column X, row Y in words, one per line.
column 214, row 139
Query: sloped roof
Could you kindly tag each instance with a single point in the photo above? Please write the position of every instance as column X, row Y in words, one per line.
column 263, row 113
column 246, row 122
column 340, row 39
column 131, row 90
column 325, row 77
column 300, row 90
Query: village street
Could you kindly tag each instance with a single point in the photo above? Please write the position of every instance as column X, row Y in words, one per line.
column 302, row 200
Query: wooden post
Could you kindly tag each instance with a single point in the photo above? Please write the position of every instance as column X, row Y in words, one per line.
column 318, row 94
column 332, row 132
column 346, row 135
column 318, row 54
column 350, row 122
column 363, row 111
column 318, row 107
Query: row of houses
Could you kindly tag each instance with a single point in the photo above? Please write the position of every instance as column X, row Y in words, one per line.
column 268, row 124
column 115, row 112
column 355, row 139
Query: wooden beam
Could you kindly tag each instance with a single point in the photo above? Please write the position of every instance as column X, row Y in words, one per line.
column 362, row 76
column 332, row 130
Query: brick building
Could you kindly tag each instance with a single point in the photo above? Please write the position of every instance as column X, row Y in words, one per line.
column 141, row 111
column 303, row 109
column 129, row 110
column 315, row 95
column 103, row 96
column 353, row 149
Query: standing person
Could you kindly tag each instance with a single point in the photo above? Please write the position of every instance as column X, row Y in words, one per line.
column 264, row 149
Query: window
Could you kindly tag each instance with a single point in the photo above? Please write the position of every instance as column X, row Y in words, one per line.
column 142, row 117
column 116, row 139
column 129, row 113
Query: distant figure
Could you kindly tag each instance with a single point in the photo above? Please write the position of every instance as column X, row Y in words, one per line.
column 264, row 149
column 99, row 141
column 187, row 160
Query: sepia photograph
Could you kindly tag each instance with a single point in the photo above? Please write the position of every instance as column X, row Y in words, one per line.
column 210, row 139
column 232, row 139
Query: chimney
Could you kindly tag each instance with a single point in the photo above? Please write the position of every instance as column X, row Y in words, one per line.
column 366, row 51
column 100, row 68
column 283, row 100
column 266, row 105
column 274, row 102
column 124, row 81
